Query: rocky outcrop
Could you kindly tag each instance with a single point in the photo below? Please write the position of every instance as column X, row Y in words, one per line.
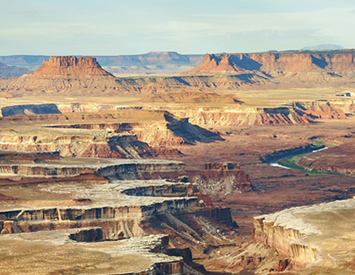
column 69, row 67
column 282, row 66
column 221, row 179
column 65, row 73
column 88, row 83
column 233, row 116
column 216, row 65
column 298, row 113
column 87, row 235
column 111, row 146
column 155, row 127
column 79, row 76
column 284, row 239
column 322, row 109
column 120, row 169
column 281, row 239
column 307, row 234
column 23, row 156
column 105, row 257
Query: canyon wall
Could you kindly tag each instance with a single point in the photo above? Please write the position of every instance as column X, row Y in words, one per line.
column 69, row 67
column 71, row 75
column 284, row 239
column 112, row 146
column 310, row 235
column 285, row 66
column 209, row 116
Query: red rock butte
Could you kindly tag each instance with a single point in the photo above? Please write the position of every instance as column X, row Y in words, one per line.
column 69, row 67
column 278, row 64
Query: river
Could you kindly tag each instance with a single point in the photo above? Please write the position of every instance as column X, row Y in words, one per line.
column 275, row 164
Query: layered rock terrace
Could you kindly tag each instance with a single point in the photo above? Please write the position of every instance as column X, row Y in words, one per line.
column 147, row 254
column 317, row 235
column 308, row 66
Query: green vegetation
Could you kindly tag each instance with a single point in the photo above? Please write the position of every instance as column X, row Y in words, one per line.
column 318, row 142
column 291, row 162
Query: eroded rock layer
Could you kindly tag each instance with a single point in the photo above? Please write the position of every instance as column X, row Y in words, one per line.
column 92, row 251
column 108, row 200
column 312, row 234
column 71, row 75
column 112, row 146
column 68, row 67
column 157, row 128
column 313, row 66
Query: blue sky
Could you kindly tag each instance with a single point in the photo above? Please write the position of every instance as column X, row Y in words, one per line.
column 78, row 27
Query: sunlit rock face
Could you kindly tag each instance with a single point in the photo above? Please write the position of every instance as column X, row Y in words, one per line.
column 310, row 235
column 69, row 67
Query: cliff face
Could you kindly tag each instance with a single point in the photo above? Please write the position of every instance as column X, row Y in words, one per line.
column 314, row 66
column 157, row 128
column 224, row 178
column 325, row 109
column 226, row 71
column 120, row 146
column 281, row 237
column 310, row 234
column 69, row 67
column 242, row 116
column 123, row 210
column 144, row 256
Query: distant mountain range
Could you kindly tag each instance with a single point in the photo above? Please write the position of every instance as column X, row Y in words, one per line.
column 11, row 71
column 149, row 59
column 324, row 47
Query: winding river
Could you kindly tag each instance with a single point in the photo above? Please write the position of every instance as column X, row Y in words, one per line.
column 276, row 164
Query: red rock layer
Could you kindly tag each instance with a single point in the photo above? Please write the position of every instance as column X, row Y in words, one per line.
column 69, row 67
column 333, row 64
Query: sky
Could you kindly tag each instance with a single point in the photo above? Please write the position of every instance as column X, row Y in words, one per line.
column 119, row 27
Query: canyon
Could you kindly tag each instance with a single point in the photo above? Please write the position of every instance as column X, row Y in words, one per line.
column 304, row 66
column 176, row 169
column 311, row 235
column 124, row 202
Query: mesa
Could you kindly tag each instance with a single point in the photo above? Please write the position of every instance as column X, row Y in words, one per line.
column 242, row 164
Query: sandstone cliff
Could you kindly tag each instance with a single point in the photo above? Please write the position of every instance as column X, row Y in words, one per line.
column 155, row 127
column 69, row 67
column 75, row 76
column 113, row 146
column 282, row 66
column 310, row 234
